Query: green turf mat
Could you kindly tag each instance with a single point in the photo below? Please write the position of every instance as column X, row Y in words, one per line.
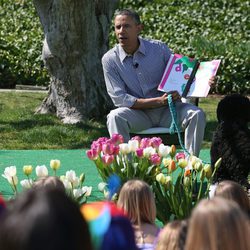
column 70, row 159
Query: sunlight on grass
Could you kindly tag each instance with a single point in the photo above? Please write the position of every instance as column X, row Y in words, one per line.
column 21, row 128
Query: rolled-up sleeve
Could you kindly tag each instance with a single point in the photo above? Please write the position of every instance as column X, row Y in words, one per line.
column 116, row 87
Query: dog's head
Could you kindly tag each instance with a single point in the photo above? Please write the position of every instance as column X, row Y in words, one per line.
column 234, row 108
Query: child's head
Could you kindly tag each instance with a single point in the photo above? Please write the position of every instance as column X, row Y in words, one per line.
column 137, row 199
column 43, row 219
column 173, row 236
column 218, row 224
column 233, row 191
column 110, row 228
column 49, row 182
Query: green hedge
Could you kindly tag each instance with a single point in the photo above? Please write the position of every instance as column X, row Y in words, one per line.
column 204, row 29
column 20, row 45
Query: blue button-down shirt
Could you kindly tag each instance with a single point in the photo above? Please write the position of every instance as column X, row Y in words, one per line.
column 129, row 77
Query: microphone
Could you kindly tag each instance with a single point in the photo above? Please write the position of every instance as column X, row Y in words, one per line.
column 136, row 65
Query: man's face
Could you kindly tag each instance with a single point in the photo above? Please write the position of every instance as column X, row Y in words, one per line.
column 127, row 32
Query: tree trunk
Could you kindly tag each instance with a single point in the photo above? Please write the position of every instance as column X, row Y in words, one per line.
column 76, row 37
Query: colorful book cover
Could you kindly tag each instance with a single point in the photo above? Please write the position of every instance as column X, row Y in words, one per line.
column 187, row 76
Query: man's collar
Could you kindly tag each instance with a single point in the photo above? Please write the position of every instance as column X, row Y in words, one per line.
column 123, row 54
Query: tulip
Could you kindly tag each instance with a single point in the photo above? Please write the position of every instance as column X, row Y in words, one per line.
column 108, row 159
column 41, row 171
column 139, row 152
column 163, row 150
column 187, row 172
column 124, row 148
column 171, row 166
column 208, row 171
column 92, row 154
column 145, row 142
column 147, row 152
column 155, row 159
column 67, row 184
column 9, row 172
column 193, row 159
column 26, row 183
column 133, row 145
column 101, row 186
column 172, row 151
column 117, row 139
column 55, row 164
column 166, row 161
column 168, row 181
column 182, row 163
column 198, row 166
column 180, row 155
column 27, row 169
column 160, row 178
column 82, row 178
column 87, row 191
column 155, row 142
column 77, row 192
column 187, row 181
column 218, row 163
column 108, row 148
column 71, row 176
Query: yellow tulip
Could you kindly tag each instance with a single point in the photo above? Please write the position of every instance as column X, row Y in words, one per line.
column 172, row 151
column 182, row 163
column 27, row 169
column 208, row 171
column 55, row 164
column 160, row 178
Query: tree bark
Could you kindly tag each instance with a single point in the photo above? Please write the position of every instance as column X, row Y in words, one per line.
column 76, row 37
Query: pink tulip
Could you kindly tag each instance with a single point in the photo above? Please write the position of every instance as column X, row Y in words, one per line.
column 117, row 139
column 92, row 154
column 155, row 159
column 145, row 142
column 116, row 150
column 108, row 159
column 137, row 138
column 179, row 156
column 139, row 152
column 155, row 142
column 108, row 148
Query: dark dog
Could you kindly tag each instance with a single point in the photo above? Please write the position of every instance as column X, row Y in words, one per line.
column 231, row 140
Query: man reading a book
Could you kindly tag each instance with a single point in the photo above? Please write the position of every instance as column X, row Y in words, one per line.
column 132, row 72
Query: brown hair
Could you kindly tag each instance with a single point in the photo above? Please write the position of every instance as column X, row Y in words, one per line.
column 218, row 224
column 233, row 191
column 137, row 199
column 49, row 182
column 172, row 236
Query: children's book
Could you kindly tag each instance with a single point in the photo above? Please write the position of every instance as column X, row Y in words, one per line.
column 188, row 76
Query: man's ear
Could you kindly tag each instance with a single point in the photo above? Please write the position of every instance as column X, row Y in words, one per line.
column 140, row 28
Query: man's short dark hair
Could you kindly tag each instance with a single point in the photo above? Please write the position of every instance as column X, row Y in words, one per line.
column 129, row 12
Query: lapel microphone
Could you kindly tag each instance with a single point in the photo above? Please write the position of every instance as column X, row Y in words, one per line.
column 136, row 65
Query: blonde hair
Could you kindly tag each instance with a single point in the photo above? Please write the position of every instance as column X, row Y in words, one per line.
column 137, row 199
column 172, row 236
column 49, row 182
column 218, row 224
column 233, row 191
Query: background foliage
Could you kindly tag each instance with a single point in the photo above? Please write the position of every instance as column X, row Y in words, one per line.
column 204, row 29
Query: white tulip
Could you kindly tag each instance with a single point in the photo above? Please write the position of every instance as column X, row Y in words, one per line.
column 67, row 184
column 163, row 150
column 124, row 148
column 147, row 152
column 77, row 193
column 9, row 172
column 26, row 183
column 42, row 171
column 133, row 145
column 71, row 175
column 101, row 186
column 87, row 191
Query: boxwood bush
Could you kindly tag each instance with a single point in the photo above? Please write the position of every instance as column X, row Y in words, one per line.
column 202, row 29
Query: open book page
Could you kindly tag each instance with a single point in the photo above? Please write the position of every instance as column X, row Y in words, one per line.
column 200, row 86
column 177, row 73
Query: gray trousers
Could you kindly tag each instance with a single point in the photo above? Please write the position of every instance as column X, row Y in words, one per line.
column 190, row 118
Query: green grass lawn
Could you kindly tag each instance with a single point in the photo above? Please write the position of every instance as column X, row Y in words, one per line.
column 21, row 128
